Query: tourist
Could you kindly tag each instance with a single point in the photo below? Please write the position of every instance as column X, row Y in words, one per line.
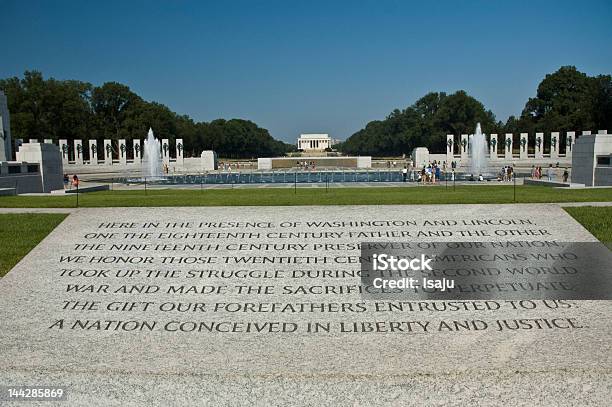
column 75, row 181
column 510, row 173
column 565, row 175
column 533, row 171
column 549, row 173
column 438, row 172
column 404, row 173
column 66, row 181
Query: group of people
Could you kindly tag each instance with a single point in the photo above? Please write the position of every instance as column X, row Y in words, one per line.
column 430, row 172
column 74, row 183
column 225, row 166
column 506, row 173
column 306, row 165
column 537, row 172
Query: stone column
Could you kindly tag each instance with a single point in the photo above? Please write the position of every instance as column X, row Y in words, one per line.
column 539, row 146
column 137, row 150
column 33, row 140
column 493, row 146
column 179, row 151
column 165, row 151
column 48, row 141
column 586, row 132
column 602, row 131
column 508, row 146
column 122, row 152
column 6, row 144
column 450, row 147
column 524, row 146
column 19, row 143
column 463, row 147
column 570, row 139
column 78, row 152
column 108, row 152
column 554, row 144
column 65, row 150
column 93, row 152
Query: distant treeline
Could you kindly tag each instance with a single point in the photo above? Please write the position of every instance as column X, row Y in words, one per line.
column 567, row 100
column 69, row 109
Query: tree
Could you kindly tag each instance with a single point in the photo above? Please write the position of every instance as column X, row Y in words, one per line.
column 569, row 100
column 425, row 123
column 110, row 104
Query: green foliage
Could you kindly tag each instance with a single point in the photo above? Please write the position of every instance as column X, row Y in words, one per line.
column 567, row 100
column 49, row 108
column 425, row 123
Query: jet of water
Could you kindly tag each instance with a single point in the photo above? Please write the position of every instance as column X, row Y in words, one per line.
column 478, row 152
column 151, row 159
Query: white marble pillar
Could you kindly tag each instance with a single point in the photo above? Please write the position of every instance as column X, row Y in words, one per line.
column 508, row 146
column 586, row 132
column 137, row 150
column 19, row 143
column 122, row 152
column 33, row 140
column 108, row 152
column 539, row 146
column 602, row 131
column 78, row 152
column 48, row 141
column 524, row 146
column 93, row 152
column 463, row 147
column 165, row 151
column 493, row 146
column 570, row 139
column 65, row 150
column 450, row 146
column 554, row 144
column 179, row 151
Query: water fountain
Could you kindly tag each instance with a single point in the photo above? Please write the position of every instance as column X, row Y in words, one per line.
column 151, row 159
column 478, row 153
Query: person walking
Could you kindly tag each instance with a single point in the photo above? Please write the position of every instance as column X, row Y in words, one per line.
column 75, row 181
column 565, row 175
column 549, row 173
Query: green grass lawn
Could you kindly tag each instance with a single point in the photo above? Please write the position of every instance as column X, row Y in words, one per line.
column 598, row 220
column 314, row 196
column 20, row 233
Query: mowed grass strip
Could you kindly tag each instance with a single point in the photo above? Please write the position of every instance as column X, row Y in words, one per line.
column 465, row 194
column 597, row 220
column 20, row 233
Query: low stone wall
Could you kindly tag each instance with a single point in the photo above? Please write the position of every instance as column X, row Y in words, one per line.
column 319, row 162
column 23, row 183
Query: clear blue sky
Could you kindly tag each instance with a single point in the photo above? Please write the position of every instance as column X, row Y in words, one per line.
column 307, row 66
